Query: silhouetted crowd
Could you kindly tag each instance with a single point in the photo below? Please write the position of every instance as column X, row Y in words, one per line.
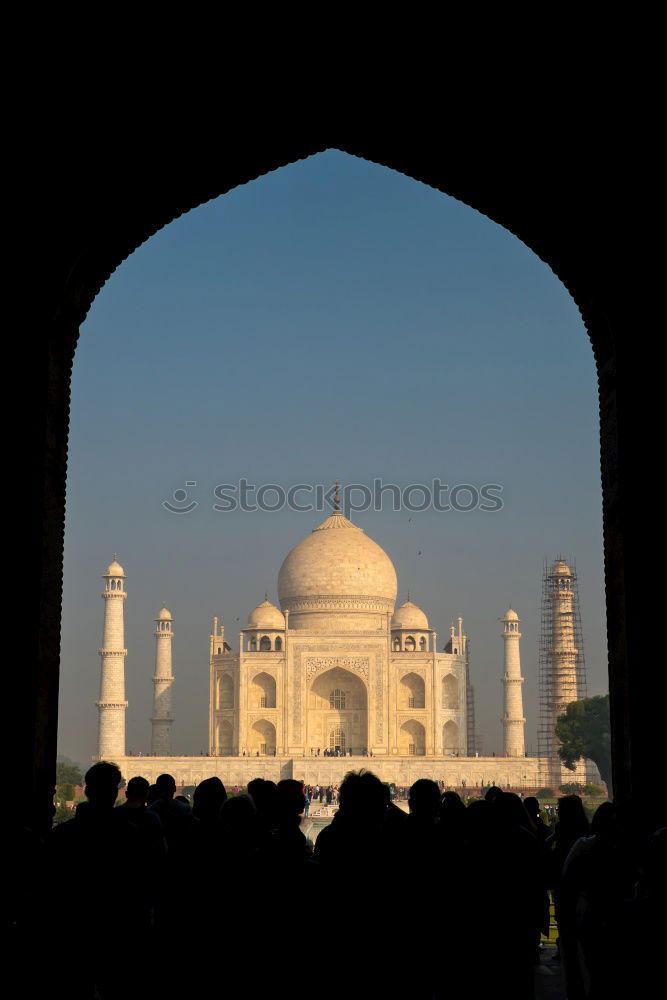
column 227, row 897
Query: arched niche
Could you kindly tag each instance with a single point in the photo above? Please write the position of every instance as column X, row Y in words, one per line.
column 262, row 739
column 263, row 691
column 450, row 692
column 411, row 691
column 225, row 691
column 412, row 739
column 450, row 737
column 224, row 738
column 337, row 698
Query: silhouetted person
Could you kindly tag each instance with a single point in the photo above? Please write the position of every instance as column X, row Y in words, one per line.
column 173, row 910
column 395, row 833
column 424, row 801
column 263, row 794
column 452, row 817
column 103, row 856
column 207, row 801
column 533, row 809
column 204, row 850
column 288, row 843
column 571, row 824
column 493, row 793
column 149, row 828
column 175, row 816
column 352, row 853
column 521, row 879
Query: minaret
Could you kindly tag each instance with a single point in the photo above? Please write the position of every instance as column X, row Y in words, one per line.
column 112, row 704
column 514, row 723
column 561, row 591
column 162, row 680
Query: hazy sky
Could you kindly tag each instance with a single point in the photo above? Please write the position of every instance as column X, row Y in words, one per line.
column 333, row 319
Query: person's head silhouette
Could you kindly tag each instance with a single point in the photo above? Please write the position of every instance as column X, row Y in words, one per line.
column 424, row 800
column 165, row 786
column 290, row 802
column 208, row 798
column 101, row 784
column 136, row 792
column 362, row 797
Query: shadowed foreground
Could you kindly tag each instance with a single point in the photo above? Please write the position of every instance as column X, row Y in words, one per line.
column 229, row 898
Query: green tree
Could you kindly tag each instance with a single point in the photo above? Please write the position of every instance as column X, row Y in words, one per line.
column 585, row 731
column 65, row 793
column 68, row 773
column 571, row 788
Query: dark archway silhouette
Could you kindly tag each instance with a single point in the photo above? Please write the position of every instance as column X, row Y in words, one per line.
column 98, row 203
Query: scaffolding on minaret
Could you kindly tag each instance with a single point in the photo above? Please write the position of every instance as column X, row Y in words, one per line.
column 562, row 664
column 470, row 707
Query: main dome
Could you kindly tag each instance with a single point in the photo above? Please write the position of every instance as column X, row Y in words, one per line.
column 337, row 578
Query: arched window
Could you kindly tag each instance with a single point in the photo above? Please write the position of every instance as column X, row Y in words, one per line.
column 225, row 738
column 412, row 739
column 253, row 645
column 265, row 644
column 337, row 698
column 337, row 739
column 411, row 692
column 279, row 643
column 219, row 650
column 450, row 738
column 226, row 699
column 263, row 691
column 450, row 692
column 262, row 738
column 397, row 645
column 422, row 643
column 410, row 644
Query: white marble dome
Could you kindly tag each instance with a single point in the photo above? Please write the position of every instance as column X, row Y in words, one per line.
column 266, row 616
column 164, row 615
column 337, row 577
column 561, row 568
column 409, row 616
column 114, row 569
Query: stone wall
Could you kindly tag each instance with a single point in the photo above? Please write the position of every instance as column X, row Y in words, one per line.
column 517, row 773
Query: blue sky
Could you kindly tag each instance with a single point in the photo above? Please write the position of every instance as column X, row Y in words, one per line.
column 333, row 319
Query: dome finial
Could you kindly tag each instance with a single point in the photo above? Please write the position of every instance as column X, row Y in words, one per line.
column 337, row 497
column 266, row 595
column 408, row 595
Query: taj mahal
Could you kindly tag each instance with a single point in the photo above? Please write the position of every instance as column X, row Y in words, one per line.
column 333, row 676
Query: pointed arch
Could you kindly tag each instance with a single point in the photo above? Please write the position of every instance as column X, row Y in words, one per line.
column 263, row 738
column 226, row 691
column 450, row 737
column 224, row 740
column 450, row 692
column 411, row 691
column 412, row 739
column 263, row 691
